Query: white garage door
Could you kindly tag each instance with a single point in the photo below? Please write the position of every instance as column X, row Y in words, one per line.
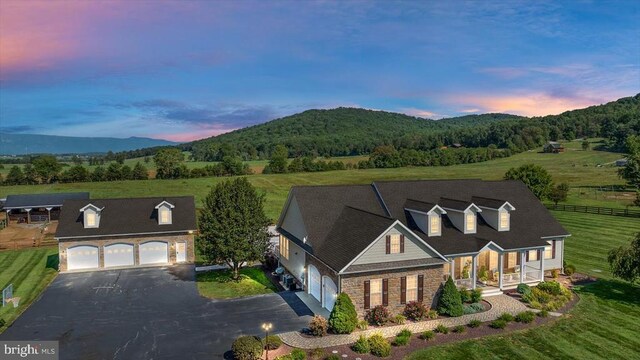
column 330, row 292
column 314, row 282
column 154, row 252
column 82, row 257
column 118, row 255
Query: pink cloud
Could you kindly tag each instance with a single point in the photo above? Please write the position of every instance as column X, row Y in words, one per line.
column 420, row 113
column 191, row 135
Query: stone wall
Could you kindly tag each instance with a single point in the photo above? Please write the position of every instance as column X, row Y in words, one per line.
column 353, row 285
column 136, row 241
column 323, row 269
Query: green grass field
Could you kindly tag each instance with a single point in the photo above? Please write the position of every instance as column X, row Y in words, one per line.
column 219, row 285
column 30, row 271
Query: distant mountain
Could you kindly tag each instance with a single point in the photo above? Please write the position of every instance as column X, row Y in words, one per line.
column 22, row 144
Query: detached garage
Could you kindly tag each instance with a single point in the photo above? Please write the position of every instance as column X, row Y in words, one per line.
column 120, row 233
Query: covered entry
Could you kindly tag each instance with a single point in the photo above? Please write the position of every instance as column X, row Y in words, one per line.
column 314, row 282
column 154, row 252
column 82, row 257
column 118, row 255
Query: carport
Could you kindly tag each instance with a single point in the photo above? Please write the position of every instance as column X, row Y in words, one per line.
column 38, row 207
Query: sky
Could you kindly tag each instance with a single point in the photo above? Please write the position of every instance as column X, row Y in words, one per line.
column 184, row 70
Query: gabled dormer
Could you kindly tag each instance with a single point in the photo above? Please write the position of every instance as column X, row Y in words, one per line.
column 91, row 216
column 427, row 216
column 462, row 214
column 165, row 213
column 496, row 213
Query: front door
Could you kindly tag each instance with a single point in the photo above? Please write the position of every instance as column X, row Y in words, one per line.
column 181, row 252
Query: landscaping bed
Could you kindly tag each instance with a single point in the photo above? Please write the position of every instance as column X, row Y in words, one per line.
column 219, row 284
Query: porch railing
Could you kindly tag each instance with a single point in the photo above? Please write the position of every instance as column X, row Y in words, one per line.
column 532, row 275
column 467, row 283
column 509, row 279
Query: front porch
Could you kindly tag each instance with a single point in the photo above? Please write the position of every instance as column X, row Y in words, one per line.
column 495, row 270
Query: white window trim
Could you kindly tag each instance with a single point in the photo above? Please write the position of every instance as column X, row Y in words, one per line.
column 467, row 216
column 373, row 303
column 394, row 248
column 550, row 249
column 93, row 216
column 438, row 223
column 412, row 285
column 507, row 223
column 532, row 254
column 284, row 247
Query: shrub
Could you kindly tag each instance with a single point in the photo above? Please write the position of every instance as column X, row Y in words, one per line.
column 459, row 329
column 473, row 308
column 474, row 323
column 441, row 329
column 555, row 273
column 379, row 315
column 343, row 318
column 317, row 354
column 298, row 354
column 476, row 295
column 318, row 326
column 415, row 311
column 272, row 342
column 247, row 348
column 361, row 346
column 465, row 295
column 498, row 324
column 405, row 332
column 333, row 357
column 523, row 289
column 543, row 313
column 362, row 325
column 400, row 319
column 450, row 302
column 525, row 317
column 379, row 346
column 427, row 335
column 506, row 317
column 550, row 287
column 401, row 340
column 569, row 270
column 432, row 314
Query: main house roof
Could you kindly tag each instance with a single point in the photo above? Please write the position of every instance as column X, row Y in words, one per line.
column 126, row 216
column 341, row 221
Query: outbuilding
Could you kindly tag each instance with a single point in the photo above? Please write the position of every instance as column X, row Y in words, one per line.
column 28, row 208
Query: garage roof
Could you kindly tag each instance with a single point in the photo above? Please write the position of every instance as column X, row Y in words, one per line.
column 127, row 216
column 25, row 201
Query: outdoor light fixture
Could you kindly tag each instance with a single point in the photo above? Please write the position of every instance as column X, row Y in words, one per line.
column 266, row 327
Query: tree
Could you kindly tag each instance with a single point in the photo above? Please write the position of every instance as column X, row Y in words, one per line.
column 114, row 172
column 631, row 171
column 77, row 160
column 167, row 162
column 98, row 174
column 278, row 162
column 559, row 193
column 343, row 318
column 15, row 176
column 139, row 172
column 233, row 225
column 535, row 177
column 625, row 261
column 47, row 167
column 77, row 173
column 30, row 174
column 450, row 302
column 586, row 145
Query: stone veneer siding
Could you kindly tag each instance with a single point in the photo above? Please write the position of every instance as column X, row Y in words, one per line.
column 353, row 285
column 65, row 244
column 323, row 269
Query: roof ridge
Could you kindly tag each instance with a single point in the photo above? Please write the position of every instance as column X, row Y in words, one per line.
column 368, row 212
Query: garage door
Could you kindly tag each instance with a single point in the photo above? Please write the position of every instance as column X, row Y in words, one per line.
column 314, row 282
column 118, row 255
column 82, row 257
column 330, row 292
column 154, row 252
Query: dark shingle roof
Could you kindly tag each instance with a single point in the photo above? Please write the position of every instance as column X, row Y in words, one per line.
column 453, row 203
column 418, row 205
column 394, row 265
column 41, row 200
column 487, row 202
column 127, row 216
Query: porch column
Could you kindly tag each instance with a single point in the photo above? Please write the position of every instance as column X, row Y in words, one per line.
column 474, row 271
column 49, row 214
column 500, row 269
column 28, row 215
column 541, row 254
column 451, row 269
column 8, row 211
column 522, row 267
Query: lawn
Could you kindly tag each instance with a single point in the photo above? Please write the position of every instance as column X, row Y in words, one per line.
column 30, row 271
column 603, row 325
column 219, row 284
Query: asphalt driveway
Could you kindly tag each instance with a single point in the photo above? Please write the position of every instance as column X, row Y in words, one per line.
column 152, row 313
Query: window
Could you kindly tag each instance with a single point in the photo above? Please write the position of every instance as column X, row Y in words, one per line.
column 412, row 288
column 504, row 220
column 284, row 247
column 471, row 222
column 434, row 224
column 533, row 255
column 395, row 244
column 548, row 251
column 165, row 216
column 91, row 219
column 375, row 293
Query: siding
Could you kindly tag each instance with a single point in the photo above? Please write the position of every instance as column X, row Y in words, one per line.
column 296, row 262
column 491, row 217
column 550, row 264
column 292, row 221
column 413, row 249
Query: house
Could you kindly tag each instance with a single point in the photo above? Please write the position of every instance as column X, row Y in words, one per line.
column 390, row 243
column 553, row 147
column 30, row 208
column 129, row 232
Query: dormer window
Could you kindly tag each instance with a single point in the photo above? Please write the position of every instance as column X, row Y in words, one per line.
column 434, row 224
column 504, row 220
column 463, row 214
column 164, row 213
column 91, row 216
column 427, row 216
column 496, row 213
column 91, row 219
column 470, row 222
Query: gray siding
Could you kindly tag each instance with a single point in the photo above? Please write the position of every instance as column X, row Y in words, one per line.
column 296, row 263
column 550, row 264
column 491, row 217
column 292, row 221
column 421, row 220
column 413, row 249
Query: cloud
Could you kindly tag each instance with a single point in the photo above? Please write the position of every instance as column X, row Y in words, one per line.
column 16, row 129
column 420, row 113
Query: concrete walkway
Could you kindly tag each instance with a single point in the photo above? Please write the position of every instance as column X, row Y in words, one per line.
column 313, row 304
column 499, row 304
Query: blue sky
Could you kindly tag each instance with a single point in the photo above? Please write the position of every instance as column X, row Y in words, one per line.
column 191, row 69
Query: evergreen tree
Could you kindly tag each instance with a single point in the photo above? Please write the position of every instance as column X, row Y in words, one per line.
column 15, row 176
column 343, row 318
column 139, row 172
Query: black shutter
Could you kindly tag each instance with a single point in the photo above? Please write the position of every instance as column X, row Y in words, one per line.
column 420, row 287
column 388, row 246
column 553, row 249
column 367, row 294
column 385, row 292
column 403, row 290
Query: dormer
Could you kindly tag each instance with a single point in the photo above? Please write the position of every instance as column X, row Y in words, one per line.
column 165, row 213
column 496, row 213
column 91, row 216
column 462, row 214
column 427, row 216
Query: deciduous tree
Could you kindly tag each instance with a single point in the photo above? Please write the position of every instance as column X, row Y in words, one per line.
column 625, row 261
column 535, row 177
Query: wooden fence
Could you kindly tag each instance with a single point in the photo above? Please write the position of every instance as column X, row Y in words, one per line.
column 595, row 210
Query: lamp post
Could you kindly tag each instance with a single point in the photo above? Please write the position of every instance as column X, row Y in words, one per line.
column 266, row 327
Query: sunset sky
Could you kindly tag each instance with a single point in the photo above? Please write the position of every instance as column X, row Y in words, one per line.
column 182, row 70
